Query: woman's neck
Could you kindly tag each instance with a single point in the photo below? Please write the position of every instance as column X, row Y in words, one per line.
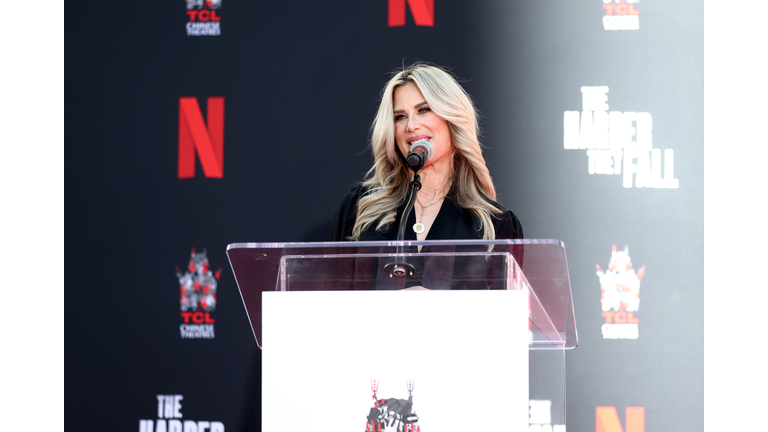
column 435, row 182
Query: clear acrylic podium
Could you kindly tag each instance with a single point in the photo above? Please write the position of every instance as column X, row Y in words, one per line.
column 538, row 267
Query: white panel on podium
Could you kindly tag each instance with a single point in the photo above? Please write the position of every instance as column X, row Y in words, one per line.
column 464, row 353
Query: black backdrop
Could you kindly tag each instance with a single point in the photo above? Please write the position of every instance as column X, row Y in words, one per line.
column 300, row 82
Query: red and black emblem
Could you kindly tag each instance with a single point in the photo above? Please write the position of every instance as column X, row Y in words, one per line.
column 392, row 414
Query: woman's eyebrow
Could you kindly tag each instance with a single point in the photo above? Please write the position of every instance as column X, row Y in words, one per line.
column 415, row 106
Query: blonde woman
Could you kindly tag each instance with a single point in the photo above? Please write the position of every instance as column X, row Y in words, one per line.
column 457, row 199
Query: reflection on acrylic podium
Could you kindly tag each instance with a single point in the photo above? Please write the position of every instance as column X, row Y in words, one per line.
column 473, row 337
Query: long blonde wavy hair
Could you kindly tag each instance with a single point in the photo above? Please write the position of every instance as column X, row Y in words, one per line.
column 386, row 183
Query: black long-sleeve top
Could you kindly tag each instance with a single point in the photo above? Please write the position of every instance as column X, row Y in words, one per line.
column 433, row 270
column 452, row 223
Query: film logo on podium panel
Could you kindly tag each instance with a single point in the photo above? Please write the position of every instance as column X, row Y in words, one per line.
column 620, row 296
column 198, row 289
column 204, row 18
column 392, row 414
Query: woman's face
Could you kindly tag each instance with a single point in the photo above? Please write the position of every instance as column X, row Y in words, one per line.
column 414, row 120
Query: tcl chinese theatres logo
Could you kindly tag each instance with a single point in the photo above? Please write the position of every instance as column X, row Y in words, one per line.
column 204, row 18
column 198, row 297
column 621, row 15
column 620, row 295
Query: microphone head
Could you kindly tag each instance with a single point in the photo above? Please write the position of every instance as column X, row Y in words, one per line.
column 422, row 147
column 421, row 150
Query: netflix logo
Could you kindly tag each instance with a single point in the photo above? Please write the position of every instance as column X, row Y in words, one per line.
column 607, row 419
column 422, row 11
column 197, row 137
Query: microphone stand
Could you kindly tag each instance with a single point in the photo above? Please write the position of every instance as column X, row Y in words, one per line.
column 399, row 267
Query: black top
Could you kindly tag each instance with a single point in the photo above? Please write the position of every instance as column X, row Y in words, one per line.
column 452, row 222
column 431, row 271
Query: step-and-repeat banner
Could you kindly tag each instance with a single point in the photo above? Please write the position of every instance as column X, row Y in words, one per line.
column 192, row 125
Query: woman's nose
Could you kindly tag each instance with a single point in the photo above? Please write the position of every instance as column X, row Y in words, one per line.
column 412, row 124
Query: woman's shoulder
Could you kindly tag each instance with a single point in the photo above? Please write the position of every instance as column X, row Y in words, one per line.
column 354, row 193
column 506, row 223
column 347, row 213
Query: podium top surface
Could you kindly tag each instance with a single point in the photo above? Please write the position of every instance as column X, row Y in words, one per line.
column 436, row 264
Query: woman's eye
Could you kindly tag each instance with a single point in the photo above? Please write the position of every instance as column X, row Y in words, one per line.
column 399, row 117
column 424, row 110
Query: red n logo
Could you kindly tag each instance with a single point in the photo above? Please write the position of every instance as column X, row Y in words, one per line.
column 423, row 12
column 607, row 419
column 194, row 136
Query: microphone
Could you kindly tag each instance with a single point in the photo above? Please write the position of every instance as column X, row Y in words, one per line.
column 421, row 150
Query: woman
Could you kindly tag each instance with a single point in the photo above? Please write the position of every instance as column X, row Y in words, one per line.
column 457, row 199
